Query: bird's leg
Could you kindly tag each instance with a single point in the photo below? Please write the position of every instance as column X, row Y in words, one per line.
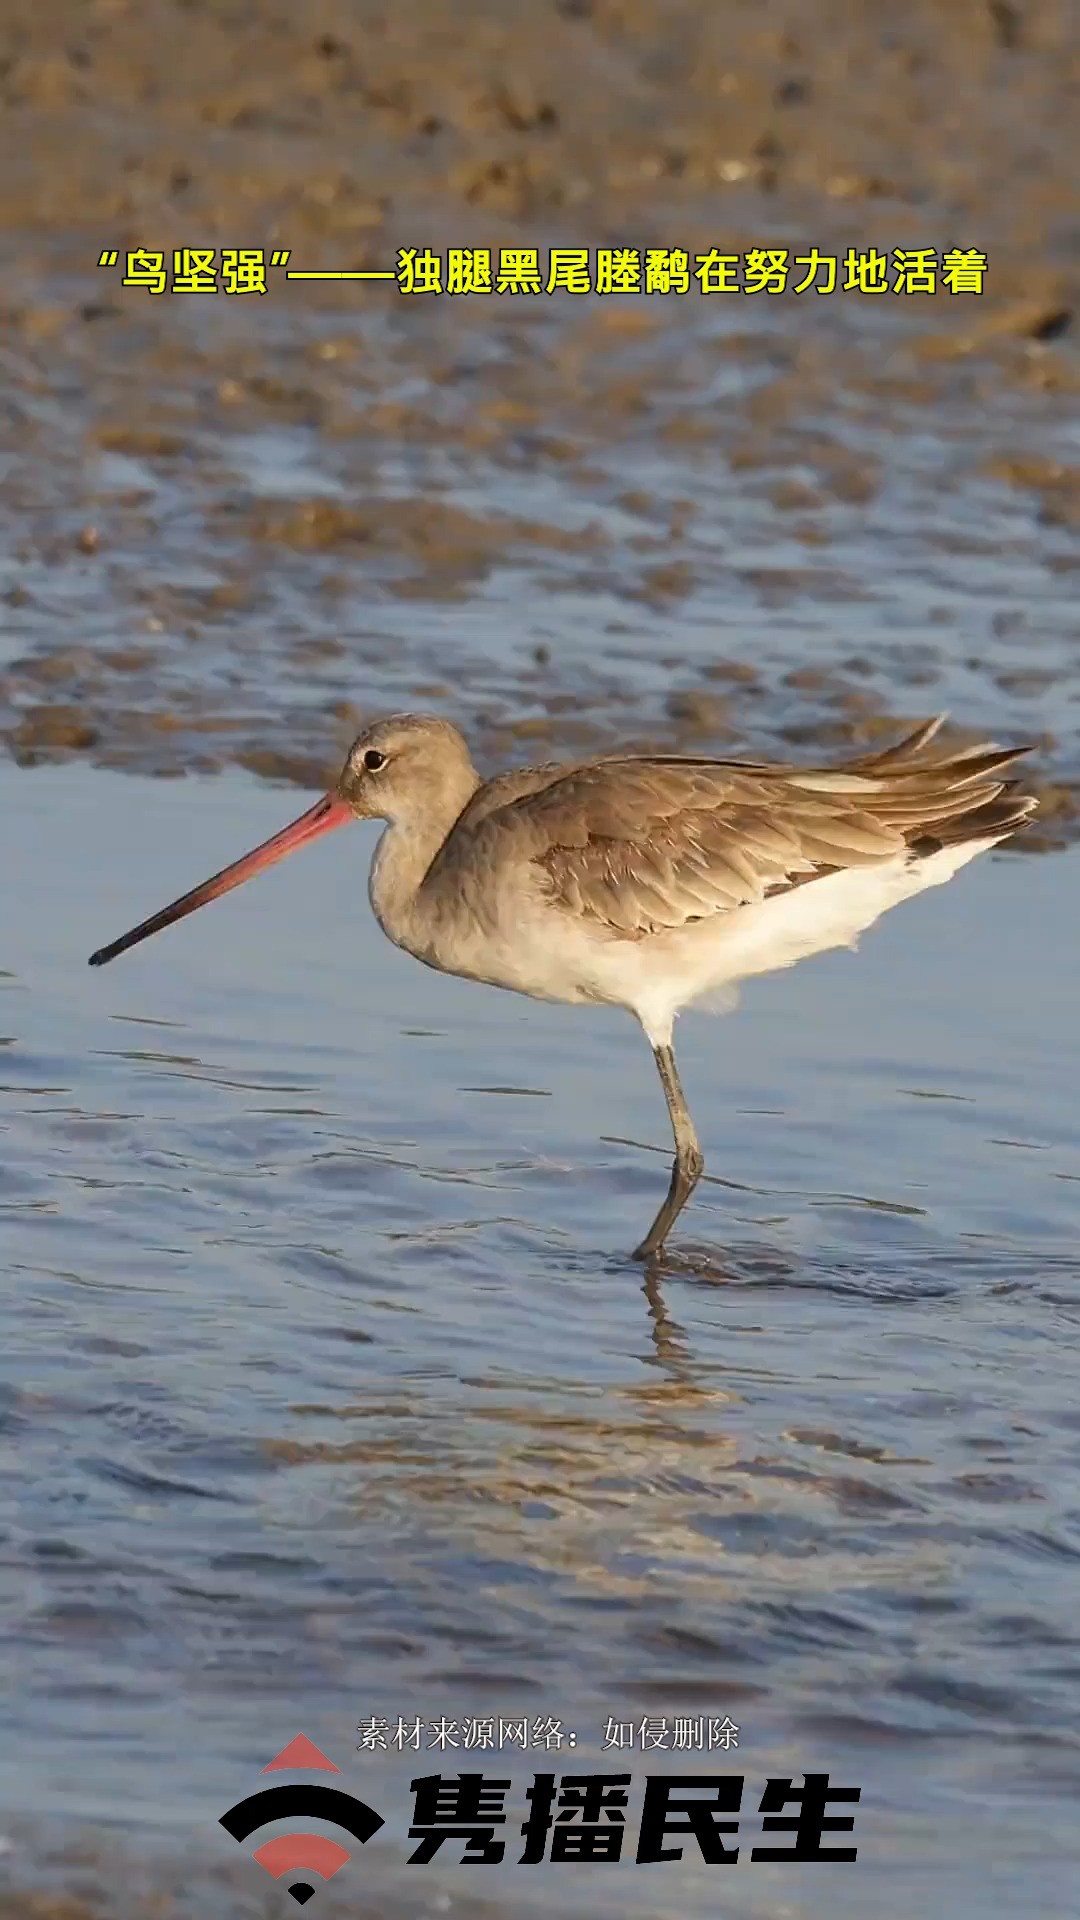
column 689, row 1159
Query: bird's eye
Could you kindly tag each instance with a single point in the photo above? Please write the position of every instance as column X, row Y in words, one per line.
column 373, row 760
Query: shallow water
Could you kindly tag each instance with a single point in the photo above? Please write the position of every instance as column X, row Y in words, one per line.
column 328, row 1389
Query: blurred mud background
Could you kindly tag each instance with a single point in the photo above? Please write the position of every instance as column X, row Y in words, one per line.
column 233, row 527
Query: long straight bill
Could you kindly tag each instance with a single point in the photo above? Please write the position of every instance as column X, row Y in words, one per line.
column 327, row 813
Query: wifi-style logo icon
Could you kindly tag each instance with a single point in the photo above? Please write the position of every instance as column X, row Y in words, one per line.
column 301, row 1853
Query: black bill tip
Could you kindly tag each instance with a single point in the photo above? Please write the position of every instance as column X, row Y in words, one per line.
column 104, row 954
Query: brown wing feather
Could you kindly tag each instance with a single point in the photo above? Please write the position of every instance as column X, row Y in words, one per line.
column 644, row 847
column 642, row 844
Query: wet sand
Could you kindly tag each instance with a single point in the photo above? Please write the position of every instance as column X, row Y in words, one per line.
column 236, row 527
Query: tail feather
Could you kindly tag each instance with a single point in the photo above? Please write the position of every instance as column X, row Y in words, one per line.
column 992, row 820
column 962, row 769
column 908, row 760
column 946, row 798
column 906, row 749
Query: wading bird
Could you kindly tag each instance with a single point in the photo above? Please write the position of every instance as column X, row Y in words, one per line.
column 640, row 880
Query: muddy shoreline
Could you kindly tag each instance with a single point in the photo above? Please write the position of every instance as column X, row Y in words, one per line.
column 333, row 124
column 168, row 609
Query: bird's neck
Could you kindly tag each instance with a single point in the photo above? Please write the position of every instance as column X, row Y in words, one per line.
column 402, row 861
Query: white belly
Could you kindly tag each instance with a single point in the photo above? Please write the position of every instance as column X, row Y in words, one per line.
column 654, row 978
column 525, row 947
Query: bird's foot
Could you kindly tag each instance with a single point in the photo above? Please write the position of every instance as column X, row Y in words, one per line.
column 685, row 1174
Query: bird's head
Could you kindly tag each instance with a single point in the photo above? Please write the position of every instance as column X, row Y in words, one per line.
column 407, row 766
column 409, row 769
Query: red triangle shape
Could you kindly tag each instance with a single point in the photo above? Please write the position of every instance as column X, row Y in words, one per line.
column 301, row 1752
